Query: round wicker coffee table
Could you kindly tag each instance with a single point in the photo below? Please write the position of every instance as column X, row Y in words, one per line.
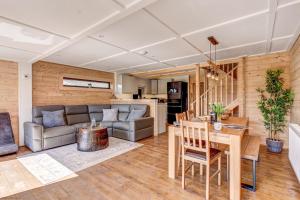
column 92, row 139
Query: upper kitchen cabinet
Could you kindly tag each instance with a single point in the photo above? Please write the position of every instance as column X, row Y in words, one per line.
column 162, row 86
column 159, row 86
column 154, row 86
column 130, row 84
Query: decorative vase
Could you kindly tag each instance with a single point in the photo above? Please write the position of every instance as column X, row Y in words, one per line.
column 274, row 146
column 217, row 126
column 213, row 117
column 93, row 123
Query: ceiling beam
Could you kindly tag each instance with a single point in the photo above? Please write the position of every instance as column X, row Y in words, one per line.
column 271, row 23
column 112, row 18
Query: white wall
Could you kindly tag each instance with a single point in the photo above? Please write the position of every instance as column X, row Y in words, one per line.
column 25, row 97
column 294, row 148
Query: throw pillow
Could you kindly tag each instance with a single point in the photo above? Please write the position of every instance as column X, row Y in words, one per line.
column 53, row 118
column 110, row 115
column 135, row 114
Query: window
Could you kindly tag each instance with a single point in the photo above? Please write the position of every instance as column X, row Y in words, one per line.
column 81, row 83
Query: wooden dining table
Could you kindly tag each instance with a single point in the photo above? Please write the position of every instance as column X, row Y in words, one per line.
column 229, row 136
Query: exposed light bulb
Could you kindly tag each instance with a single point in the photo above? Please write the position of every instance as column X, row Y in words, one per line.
column 212, row 75
column 208, row 74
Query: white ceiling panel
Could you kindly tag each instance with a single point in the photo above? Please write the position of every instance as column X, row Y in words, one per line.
column 136, row 30
column 255, row 49
column 7, row 53
column 84, row 51
column 26, row 38
column 171, row 49
column 280, row 44
column 282, row 2
column 287, row 20
column 127, row 3
column 66, row 17
column 125, row 60
column 155, row 66
column 242, row 32
column 190, row 15
column 187, row 61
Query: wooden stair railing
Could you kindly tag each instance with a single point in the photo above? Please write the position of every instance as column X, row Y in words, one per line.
column 224, row 90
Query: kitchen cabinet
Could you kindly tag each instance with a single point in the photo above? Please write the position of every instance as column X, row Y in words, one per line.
column 162, row 117
column 130, row 85
column 154, row 86
column 159, row 86
column 162, row 86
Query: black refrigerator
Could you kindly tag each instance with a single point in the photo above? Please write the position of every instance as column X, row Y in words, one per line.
column 177, row 99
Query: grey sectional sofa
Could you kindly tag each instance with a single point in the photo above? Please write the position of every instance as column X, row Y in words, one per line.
column 38, row 138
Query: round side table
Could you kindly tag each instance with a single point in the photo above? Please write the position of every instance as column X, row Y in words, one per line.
column 92, row 139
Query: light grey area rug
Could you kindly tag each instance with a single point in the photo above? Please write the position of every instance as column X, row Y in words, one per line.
column 76, row 160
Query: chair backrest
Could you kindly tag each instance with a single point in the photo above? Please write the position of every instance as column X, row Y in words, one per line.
column 204, row 118
column 180, row 116
column 190, row 114
column 192, row 135
column 6, row 132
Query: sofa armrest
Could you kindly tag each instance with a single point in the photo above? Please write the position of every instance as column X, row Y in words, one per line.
column 142, row 123
column 33, row 135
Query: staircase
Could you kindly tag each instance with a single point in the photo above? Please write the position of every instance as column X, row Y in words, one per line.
column 225, row 90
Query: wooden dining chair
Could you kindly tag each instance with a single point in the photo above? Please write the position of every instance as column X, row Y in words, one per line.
column 205, row 118
column 190, row 114
column 197, row 152
column 179, row 117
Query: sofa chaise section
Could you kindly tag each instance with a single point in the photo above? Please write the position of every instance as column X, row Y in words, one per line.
column 132, row 130
column 38, row 138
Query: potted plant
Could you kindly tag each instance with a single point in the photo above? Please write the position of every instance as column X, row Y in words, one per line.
column 274, row 103
column 218, row 109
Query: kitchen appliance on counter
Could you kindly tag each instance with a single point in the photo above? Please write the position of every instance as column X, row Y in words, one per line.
column 135, row 96
column 177, row 99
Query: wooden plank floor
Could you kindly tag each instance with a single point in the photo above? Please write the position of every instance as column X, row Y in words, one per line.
column 142, row 174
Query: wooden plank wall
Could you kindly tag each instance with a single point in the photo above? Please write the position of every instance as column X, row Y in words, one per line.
column 295, row 81
column 9, row 93
column 47, row 89
column 255, row 68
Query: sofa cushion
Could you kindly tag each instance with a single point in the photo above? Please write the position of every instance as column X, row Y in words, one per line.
column 81, row 125
column 78, row 118
column 98, row 108
column 110, row 115
column 37, row 116
column 106, row 124
column 124, row 110
column 53, row 118
column 96, row 111
column 97, row 116
column 77, row 114
column 76, row 109
column 58, row 131
column 144, row 107
column 121, row 125
column 135, row 114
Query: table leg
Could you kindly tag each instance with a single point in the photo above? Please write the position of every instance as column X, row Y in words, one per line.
column 235, row 167
column 173, row 146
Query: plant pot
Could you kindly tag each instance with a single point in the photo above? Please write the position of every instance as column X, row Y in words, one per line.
column 274, row 146
column 217, row 126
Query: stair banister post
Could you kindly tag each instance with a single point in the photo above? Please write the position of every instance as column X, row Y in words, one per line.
column 198, row 90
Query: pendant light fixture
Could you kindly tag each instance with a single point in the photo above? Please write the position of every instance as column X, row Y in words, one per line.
column 212, row 67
